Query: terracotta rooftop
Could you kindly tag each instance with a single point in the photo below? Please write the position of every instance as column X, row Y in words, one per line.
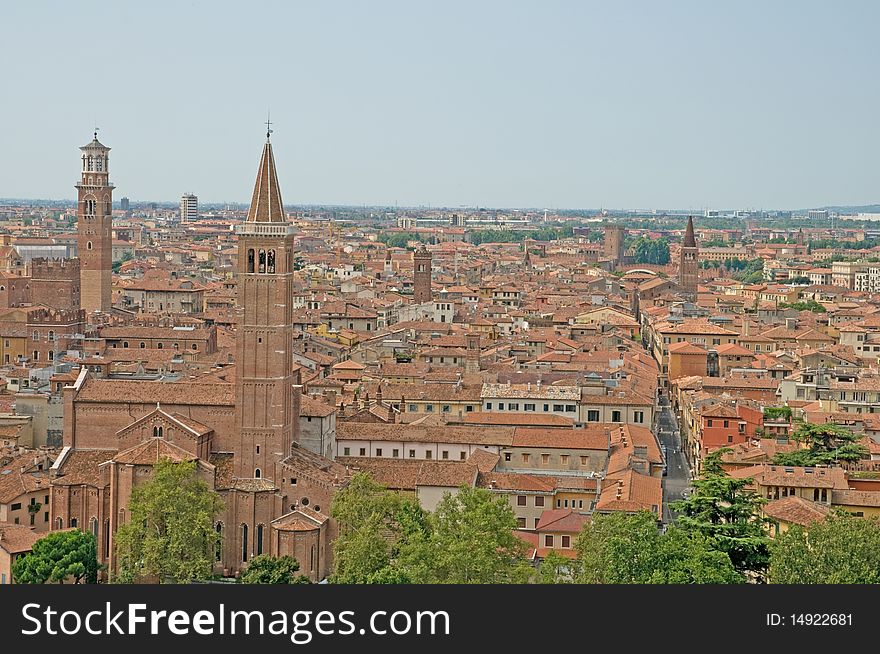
column 561, row 520
column 796, row 510
column 17, row 539
column 152, row 450
column 81, row 467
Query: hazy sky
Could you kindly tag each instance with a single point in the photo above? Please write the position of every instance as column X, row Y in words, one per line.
column 502, row 104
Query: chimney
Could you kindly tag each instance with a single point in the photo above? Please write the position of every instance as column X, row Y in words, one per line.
column 747, row 327
column 791, row 323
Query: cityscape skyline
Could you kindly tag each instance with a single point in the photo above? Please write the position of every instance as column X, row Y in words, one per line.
column 566, row 106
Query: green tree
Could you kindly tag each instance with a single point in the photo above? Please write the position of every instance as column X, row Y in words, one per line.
column 842, row 549
column 690, row 558
column 556, row 569
column 469, row 540
column 372, row 523
column 651, row 251
column 170, row 533
column 265, row 569
column 620, row 548
column 724, row 511
column 776, row 412
column 805, row 305
column 59, row 556
column 826, row 444
column 399, row 239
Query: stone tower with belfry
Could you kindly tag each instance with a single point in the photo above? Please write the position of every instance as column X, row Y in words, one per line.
column 94, row 213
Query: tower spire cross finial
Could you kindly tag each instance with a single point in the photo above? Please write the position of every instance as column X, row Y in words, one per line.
column 268, row 126
column 96, row 132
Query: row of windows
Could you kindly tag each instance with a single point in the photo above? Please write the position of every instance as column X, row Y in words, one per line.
column 429, row 408
column 514, row 406
column 395, row 453
column 564, row 459
column 159, row 346
column 90, row 206
column 369, row 326
column 258, row 544
column 93, row 163
column 616, row 416
column 262, row 261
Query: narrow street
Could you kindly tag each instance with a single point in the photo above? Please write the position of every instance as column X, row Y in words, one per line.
column 677, row 477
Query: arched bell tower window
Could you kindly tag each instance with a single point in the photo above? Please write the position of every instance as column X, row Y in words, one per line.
column 258, row 474
column 99, row 161
column 219, row 548
column 90, row 164
column 250, row 260
column 270, row 262
column 89, row 245
column 262, row 267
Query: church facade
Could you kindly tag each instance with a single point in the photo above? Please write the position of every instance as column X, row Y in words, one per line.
column 242, row 432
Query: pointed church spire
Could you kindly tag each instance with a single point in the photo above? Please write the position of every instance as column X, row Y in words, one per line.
column 689, row 240
column 266, row 205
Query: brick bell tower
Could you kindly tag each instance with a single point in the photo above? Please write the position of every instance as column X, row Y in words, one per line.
column 266, row 400
column 421, row 275
column 94, row 227
column 688, row 262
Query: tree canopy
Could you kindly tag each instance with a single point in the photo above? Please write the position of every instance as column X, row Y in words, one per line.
column 804, row 305
column 373, row 523
column 620, row 548
column 728, row 514
column 57, row 557
column 265, row 569
column 842, row 549
column 826, row 444
column 170, row 533
column 388, row 538
column 469, row 540
column 651, row 251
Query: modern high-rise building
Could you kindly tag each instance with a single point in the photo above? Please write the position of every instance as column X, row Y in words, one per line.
column 94, row 227
column 817, row 214
column 688, row 264
column 125, row 204
column 189, row 208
